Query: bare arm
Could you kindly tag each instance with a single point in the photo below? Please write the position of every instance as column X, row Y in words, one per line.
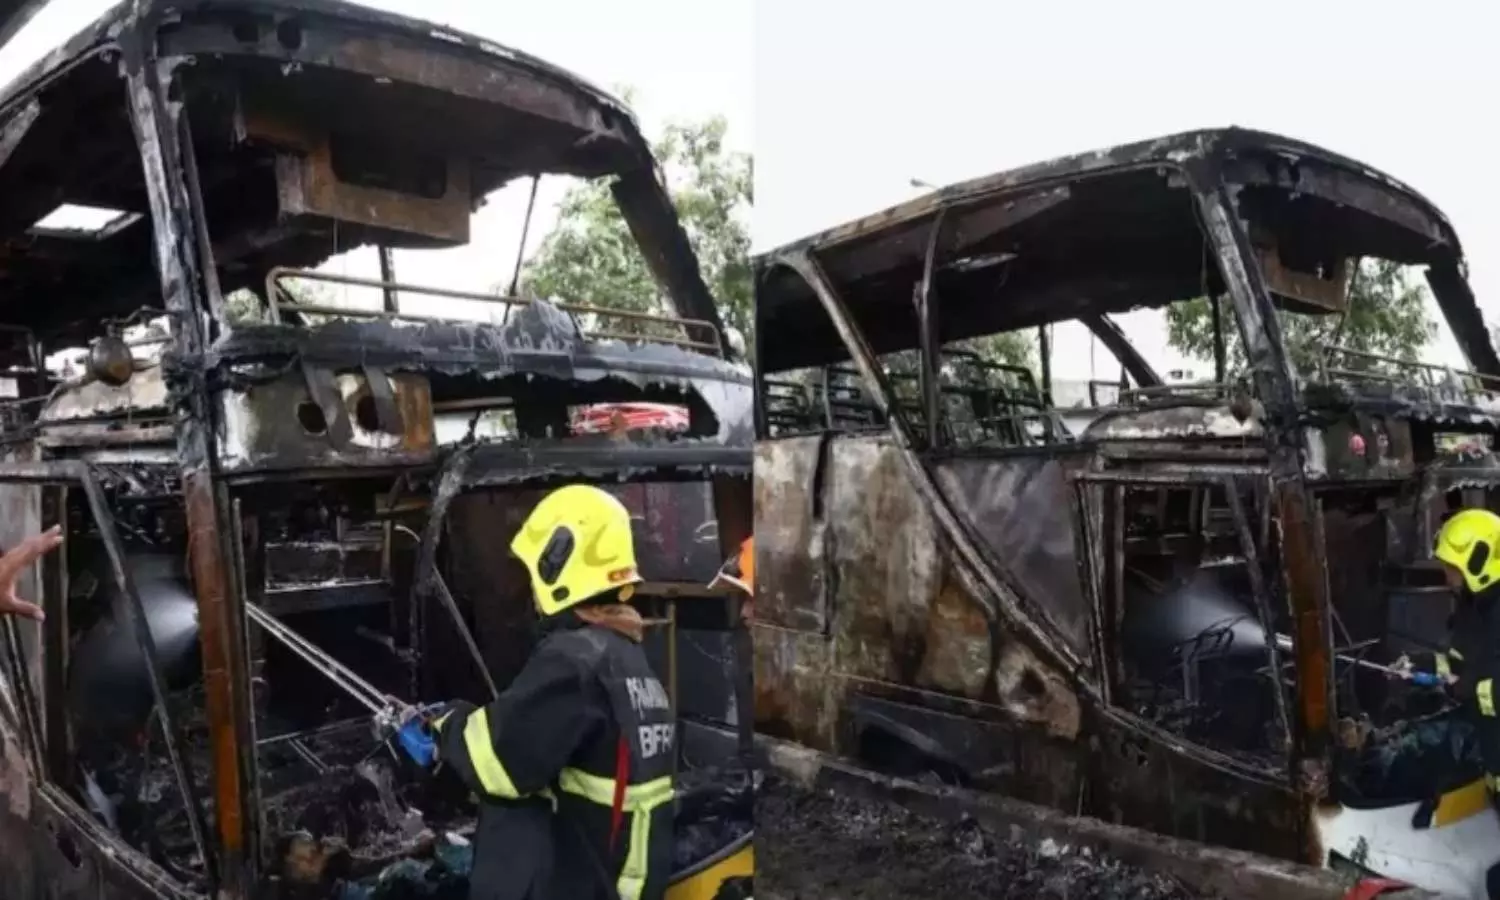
column 18, row 560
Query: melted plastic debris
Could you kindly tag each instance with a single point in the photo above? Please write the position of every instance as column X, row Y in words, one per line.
column 442, row 876
column 715, row 808
column 1416, row 760
column 817, row 844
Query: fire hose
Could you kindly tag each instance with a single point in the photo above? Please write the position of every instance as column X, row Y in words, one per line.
column 407, row 722
column 1422, row 679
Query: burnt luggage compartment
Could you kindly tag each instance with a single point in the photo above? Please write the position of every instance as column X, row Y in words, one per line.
column 1124, row 607
column 210, row 441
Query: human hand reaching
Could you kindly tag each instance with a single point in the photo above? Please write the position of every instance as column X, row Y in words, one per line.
column 18, row 560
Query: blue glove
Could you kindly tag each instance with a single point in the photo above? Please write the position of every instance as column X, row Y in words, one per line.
column 417, row 741
column 1426, row 679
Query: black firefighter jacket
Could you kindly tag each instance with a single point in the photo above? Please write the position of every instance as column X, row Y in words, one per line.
column 1473, row 656
column 543, row 759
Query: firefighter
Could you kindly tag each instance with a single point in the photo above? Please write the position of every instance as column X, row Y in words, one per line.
column 573, row 762
column 1468, row 548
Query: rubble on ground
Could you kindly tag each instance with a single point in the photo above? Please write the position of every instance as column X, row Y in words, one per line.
column 818, row 844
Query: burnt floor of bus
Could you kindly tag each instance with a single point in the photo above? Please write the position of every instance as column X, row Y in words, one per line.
column 819, row 844
column 337, row 802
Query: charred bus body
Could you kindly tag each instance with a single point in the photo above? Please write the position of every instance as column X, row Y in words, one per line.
column 324, row 464
column 1147, row 608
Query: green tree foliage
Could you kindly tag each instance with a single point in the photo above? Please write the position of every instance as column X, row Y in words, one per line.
column 1387, row 315
column 590, row 257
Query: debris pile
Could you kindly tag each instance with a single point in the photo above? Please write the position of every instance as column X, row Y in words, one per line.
column 817, row 844
column 715, row 809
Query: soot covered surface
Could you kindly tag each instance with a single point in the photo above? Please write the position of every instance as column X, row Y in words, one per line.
column 816, row 844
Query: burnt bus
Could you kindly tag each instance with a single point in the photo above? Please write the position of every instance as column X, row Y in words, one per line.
column 1155, row 606
column 232, row 457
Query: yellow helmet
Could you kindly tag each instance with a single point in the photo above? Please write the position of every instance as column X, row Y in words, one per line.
column 577, row 545
column 1470, row 543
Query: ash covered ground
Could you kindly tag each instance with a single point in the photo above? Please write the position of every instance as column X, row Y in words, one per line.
column 815, row 845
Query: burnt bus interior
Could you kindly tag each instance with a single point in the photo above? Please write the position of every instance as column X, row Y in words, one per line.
column 330, row 431
column 1139, row 528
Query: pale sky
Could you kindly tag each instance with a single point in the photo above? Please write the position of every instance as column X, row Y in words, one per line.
column 684, row 59
column 850, row 106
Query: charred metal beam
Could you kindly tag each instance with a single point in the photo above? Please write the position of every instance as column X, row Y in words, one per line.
column 453, row 347
column 321, row 598
column 18, row 126
column 654, row 224
column 927, row 335
column 154, row 118
column 448, row 484
column 1216, row 307
column 384, row 45
column 1088, row 528
column 18, row 674
column 171, row 737
column 1262, row 597
column 877, row 386
column 54, row 471
column 1044, row 347
column 1179, row 476
column 55, row 643
column 762, row 416
column 388, row 280
column 515, row 278
column 242, row 592
column 1274, row 374
column 204, row 244
column 508, row 465
column 1456, row 298
column 440, row 587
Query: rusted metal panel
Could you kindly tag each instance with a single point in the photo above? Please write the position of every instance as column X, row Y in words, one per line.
column 144, row 394
column 1148, row 784
column 1019, row 508
column 797, row 689
column 307, row 185
column 676, row 532
column 56, row 851
column 1175, row 422
column 279, row 424
column 156, row 121
column 897, row 612
column 791, row 576
column 887, row 575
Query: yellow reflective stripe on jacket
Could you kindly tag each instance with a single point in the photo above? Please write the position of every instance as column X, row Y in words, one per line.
column 597, row 789
column 632, row 880
column 1443, row 667
column 1484, row 692
column 487, row 766
column 1455, row 654
column 640, row 801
